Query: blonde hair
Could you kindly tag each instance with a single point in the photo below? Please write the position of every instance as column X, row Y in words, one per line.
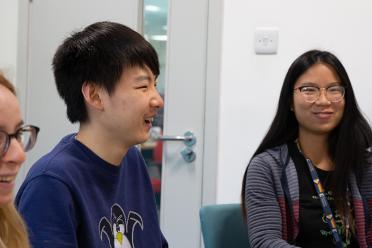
column 5, row 82
column 13, row 233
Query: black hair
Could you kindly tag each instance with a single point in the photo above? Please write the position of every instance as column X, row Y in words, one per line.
column 98, row 54
column 347, row 143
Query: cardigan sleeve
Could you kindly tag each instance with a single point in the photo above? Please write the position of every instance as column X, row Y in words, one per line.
column 262, row 206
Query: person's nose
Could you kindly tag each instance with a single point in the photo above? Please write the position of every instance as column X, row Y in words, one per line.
column 15, row 153
column 322, row 99
column 157, row 100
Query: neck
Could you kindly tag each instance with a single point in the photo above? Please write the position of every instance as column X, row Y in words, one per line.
column 315, row 147
column 101, row 143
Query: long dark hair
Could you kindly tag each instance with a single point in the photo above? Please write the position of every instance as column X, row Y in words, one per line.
column 347, row 143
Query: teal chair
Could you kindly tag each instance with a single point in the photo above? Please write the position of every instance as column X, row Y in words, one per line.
column 223, row 226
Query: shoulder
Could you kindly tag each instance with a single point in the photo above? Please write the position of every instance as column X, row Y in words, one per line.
column 134, row 158
column 52, row 174
column 276, row 157
column 134, row 153
column 43, row 189
column 47, row 206
column 268, row 165
column 57, row 162
column 134, row 167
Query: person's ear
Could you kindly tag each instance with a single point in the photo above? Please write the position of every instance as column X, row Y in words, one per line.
column 92, row 95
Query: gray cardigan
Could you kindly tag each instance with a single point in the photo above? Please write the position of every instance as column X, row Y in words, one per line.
column 272, row 200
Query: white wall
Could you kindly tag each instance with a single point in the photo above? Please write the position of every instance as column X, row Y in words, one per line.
column 250, row 84
column 8, row 37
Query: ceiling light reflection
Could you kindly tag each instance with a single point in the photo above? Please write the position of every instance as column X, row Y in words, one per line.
column 152, row 8
column 159, row 37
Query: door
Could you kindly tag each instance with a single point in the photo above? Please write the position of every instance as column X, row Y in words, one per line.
column 184, row 111
column 43, row 26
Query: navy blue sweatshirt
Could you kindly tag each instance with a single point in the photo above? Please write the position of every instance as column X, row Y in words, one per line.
column 73, row 198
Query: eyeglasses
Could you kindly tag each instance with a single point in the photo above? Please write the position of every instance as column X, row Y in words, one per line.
column 311, row 94
column 26, row 137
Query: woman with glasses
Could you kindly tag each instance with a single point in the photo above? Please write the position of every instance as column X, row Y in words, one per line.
column 15, row 140
column 309, row 183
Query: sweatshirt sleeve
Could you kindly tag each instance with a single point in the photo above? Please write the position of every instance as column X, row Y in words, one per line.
column 263, row 212
column 46, row 205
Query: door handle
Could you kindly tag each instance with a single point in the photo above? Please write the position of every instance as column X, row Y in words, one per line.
column 188, row 139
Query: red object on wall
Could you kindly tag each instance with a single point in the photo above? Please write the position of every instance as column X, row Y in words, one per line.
column 158, row 152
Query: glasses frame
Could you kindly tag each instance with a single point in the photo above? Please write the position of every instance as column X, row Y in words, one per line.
column 15, row 135
column 299, row 89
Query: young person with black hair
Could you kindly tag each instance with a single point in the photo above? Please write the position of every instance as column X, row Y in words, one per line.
column 309, row 183
column 92, row 189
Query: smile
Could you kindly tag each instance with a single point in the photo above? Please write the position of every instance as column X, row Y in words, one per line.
column 323, row 115
column 6, row 179
column 149, row 120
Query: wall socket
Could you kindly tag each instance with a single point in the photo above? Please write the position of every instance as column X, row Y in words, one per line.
column 266, row 40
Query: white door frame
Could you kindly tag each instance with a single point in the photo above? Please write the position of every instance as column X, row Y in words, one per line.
column 22, row 65
column 212, row 102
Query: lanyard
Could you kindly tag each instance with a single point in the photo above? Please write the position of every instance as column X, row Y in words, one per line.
column 325, row 205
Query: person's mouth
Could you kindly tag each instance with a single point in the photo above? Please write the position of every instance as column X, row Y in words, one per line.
column 323, row 114
column 7, row 179
column 149, row 120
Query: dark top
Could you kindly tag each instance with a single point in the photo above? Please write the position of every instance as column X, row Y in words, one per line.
column 73, row 198
column 313, row 228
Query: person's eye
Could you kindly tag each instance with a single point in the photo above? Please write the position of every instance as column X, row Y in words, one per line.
column 308, row 89
column 335, row 89
column 143, row 87
column 20, row 134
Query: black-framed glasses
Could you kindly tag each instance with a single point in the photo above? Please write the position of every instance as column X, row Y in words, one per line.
column 26, row 137
column 311, row 94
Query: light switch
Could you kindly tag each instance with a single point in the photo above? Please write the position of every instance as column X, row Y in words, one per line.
column 266, row 40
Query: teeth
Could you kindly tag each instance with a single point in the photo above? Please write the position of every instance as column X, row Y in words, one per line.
column 150, row 119
column 6, row 179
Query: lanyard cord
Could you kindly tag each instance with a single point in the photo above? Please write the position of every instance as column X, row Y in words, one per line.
column 325, row 205
column 324, row 202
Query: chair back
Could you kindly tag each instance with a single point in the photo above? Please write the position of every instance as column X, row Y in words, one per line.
column 223, row 226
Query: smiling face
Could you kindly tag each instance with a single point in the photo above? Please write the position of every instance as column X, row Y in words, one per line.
column 321, row 116
column 10, row 121
column 130, row 109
